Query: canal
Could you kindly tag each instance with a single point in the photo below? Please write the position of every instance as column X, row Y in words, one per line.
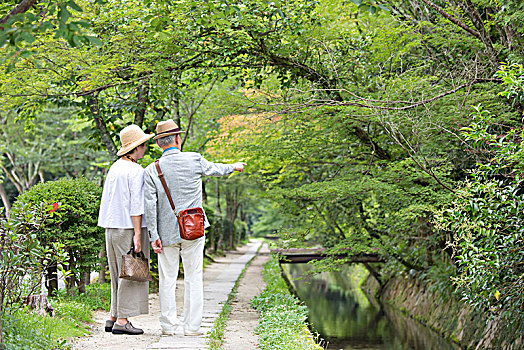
column 346, row 319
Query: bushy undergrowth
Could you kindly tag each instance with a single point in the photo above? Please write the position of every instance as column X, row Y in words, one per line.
column 282, row 323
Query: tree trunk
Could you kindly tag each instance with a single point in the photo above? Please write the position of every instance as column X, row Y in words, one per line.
column 103, row 265
column 204, row 193
column 1, row 313
column 142, row 105
column 102, row 128
column 176, row 107
column 71, row 279
column 220, row 240
column 84, row 280
column 5, row 200
column 217, row 191
column 484, row 36
column 232, row 203
column 52, row 280
column 375, row 274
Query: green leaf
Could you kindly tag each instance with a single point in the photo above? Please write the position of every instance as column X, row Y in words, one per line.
column 74, row 6
column 155, row 23
column 63, row 14
column 237, row 10
column 164, row 35
column 83, row 24
column 71, row 41
column 26, row 53
column 77, row 40
column 94, row 40
column 28, row 37
column 10, row 67
column 45, row 26
column 30, row 17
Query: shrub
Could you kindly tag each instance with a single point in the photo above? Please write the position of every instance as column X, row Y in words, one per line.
column 486, row 225
column 19, row 255
column 76, row 205
column 21, row 258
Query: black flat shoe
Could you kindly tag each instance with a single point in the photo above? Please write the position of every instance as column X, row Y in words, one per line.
column 127, row 329
column 109, row 325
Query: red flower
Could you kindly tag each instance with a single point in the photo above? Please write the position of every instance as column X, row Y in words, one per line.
column 55, row 207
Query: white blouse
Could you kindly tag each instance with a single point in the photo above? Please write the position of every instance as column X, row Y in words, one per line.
column 123, row 195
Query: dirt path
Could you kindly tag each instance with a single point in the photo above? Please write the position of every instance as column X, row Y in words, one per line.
column 219, row 279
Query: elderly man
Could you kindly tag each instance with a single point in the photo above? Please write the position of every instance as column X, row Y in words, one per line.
column 183, row 173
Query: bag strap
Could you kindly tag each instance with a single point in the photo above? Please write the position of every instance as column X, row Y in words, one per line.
column 164, row 184
column 135, row 255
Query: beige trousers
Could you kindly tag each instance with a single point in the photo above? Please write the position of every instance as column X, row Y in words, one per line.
column 192, row 253
column 128, row 298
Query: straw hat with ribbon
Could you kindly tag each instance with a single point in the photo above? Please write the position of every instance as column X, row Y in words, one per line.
column 130, row 137
column 166, row 128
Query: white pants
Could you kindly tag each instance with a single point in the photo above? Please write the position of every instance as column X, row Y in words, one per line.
column 192, row 253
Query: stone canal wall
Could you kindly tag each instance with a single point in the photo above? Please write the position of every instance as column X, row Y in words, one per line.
column 450, row 318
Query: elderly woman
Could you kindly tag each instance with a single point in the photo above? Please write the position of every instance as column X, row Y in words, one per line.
column 121, row 214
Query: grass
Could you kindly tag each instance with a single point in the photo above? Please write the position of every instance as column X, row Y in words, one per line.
column 282, row 323
column 24, row 329
column 216, row 334
column 80, row 306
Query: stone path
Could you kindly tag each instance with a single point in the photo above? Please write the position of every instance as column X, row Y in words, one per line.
column 239, row 330
column 219, row 280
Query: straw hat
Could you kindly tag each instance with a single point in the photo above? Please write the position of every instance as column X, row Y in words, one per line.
column 130, row 137
column 166, row 128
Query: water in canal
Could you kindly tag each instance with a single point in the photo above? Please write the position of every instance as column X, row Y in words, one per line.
column 342, row 314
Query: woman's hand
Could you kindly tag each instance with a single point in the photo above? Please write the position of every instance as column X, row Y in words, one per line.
column 137, row 242
column 137, row 238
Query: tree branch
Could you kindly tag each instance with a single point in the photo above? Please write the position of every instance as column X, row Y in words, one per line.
column 453, row 19
column 143, row 98
column 192, row 112
column 22, row 7
column 473, row 14
column 102, row 128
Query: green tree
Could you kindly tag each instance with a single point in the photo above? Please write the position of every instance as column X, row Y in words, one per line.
column 363, row 143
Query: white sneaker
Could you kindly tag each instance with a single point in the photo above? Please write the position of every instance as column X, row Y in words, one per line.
column 197, row 333
column 169, row 332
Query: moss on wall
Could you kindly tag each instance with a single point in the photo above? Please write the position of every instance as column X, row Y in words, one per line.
column 446, row 315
